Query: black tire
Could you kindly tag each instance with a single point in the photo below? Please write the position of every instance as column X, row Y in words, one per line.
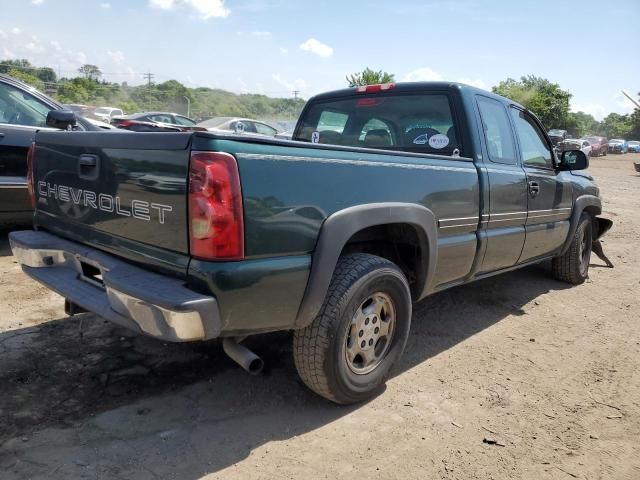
column 321, row 349
column 573, row 266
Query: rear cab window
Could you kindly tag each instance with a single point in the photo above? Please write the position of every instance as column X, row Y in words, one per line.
column 403, row 121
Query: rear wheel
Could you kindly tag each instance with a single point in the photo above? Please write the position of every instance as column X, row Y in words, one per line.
column 573, row 266
column 346, row 353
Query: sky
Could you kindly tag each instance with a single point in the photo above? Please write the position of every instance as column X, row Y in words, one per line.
column 275, row 47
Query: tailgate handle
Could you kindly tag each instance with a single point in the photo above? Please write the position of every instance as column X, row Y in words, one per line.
column 87, row 167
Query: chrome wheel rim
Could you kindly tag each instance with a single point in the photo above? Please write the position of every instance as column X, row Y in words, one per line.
column 370, row 333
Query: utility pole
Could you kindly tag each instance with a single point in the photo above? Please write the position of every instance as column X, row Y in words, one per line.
column 635, row 102
column 188, row 106
column 295, row 94
column 149, row 76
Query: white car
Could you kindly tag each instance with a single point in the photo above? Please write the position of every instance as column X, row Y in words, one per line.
column 238, row 126
column 577, row 144
column 105, row 114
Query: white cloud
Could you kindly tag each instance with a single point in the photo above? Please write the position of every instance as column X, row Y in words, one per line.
column 284, row 51
column 424, row 74
column 205, row 8
column 478, row 83
column 16, row 31
column 614, row 102
column 37, row 2
column 105, row 5
column 297, row 84
column 117, row 56
column 56, row 45
column 3, row 34
column 163, row 4
column 314, row 46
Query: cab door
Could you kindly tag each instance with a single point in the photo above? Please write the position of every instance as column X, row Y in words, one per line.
column 549, row 193
column 504, row 225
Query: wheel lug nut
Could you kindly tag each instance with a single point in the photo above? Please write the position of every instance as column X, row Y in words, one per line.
column 366, row 322
column 371, row 342
column 363, row 344
column 375, row 319
column 376, row 330
column 361, row 333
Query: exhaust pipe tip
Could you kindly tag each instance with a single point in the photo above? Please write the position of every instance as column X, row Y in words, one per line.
column 244, row 357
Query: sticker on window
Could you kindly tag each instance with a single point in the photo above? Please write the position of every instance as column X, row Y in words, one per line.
column 438, row 141
column 315, row 137
column 239, row 128
column 420, row 139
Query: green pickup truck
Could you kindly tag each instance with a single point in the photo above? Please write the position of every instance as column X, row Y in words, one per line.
column 385, row 194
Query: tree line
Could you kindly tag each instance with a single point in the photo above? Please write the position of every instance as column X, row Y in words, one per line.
column 543, row 97
column 88, row 88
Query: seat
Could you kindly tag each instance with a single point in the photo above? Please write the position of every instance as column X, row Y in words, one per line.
column 377, row 138
column 330, row 137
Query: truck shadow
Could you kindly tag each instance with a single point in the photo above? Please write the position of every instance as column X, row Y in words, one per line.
column 80, row 378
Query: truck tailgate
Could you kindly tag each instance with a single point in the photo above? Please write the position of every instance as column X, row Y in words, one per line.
column 122, row 192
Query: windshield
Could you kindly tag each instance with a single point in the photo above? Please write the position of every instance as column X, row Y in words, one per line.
column 420, row 123
column 103, row 111
column 593, row 139
column 634, row 143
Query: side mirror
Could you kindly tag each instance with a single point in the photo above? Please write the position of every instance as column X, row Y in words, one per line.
column 574, row 160
column 61, row 119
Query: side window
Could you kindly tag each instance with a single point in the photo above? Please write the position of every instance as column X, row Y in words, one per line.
column 535, row 151
column 20, row 108
column 263, row 129
column 497, row 131
column 184, row 120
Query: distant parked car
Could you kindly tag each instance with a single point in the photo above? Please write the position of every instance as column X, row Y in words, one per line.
column 78, row 109
column 558, row 136
column 105, row 114
column 599, row 145
column 617, row 145
column 239, row 126
column 23, row 111
column 577, row 144
column 633, row 146
column 165, row 119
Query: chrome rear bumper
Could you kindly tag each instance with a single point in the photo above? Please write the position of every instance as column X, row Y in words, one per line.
column 130, row 296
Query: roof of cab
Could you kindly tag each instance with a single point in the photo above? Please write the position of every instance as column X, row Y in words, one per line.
column 416, row 86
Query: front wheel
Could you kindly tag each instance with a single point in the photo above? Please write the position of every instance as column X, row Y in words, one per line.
column 573, row 266
column 347, row 351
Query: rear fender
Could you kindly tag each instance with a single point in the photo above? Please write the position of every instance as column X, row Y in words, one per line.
column 339, row 227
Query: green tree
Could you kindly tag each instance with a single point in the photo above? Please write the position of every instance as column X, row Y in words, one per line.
column 547, row 100
column 615, row 125
column 90, row 72
column 369, row 77
column 580, row 124
column 25, row 77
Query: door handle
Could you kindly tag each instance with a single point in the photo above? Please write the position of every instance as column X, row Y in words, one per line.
column 534, row 188
column 87, row 167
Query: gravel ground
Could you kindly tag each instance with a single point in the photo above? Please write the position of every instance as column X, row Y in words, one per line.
column 517, row 376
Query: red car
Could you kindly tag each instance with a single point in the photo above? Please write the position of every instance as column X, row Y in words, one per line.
column 599, row 145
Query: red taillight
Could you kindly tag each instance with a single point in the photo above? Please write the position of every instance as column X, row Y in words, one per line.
column 123, row 123
column 380, row 87
column 216, row 224
column 30, row 185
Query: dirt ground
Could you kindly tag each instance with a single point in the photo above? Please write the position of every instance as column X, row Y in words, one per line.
column 548, row 372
